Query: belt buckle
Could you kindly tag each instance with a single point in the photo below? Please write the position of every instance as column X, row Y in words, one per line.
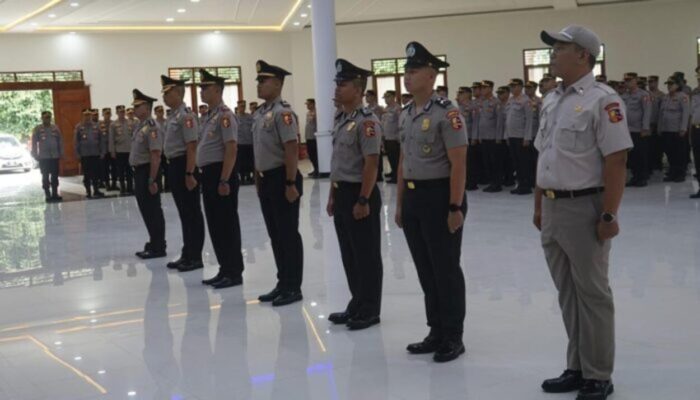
column 411, row 185
column 550, row 194
column 260, row 174
column 335, row 185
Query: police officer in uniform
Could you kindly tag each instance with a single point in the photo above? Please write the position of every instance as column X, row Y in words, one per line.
column 674, row 114
column 110, row 173
column 120, row 132
column 216, row 158
column 390, row 128
column 535, row 107
column 638, row 105
column 476, row 168
column 279, row 182
column 431, row 202
column 583, row 143
column 310, row 137
column 181, row 131
column 656, row 151
column 519, row 136
column 88, row 147
column 47, row 149
column 354, row 200
column 373, row 105
column 489, row 133
column 144, row 157
column 245, row 144
column 695, row 131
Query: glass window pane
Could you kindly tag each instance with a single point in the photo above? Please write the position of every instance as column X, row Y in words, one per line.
column 34, row 77
column 598, row 69
column 232, row 74
column 440, row 80
column 231, row 95
column 536, row 73
column 181, row 73
column 69, row 76
column 384, row 67
column 385, row 83
column 188, row 95
column 7, row 77
column 537, row 57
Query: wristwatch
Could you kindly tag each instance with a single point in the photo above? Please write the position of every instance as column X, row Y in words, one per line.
column 289, row 183
column 455, row 208
column 362, row 200
column 151, row 180
column 189, row 173
column 223, row 182
column 608, row 217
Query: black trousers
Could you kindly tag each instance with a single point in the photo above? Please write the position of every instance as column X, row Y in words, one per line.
column 189, row 209
column 109, row 169
column 125, row 174
column 639, row 157
column 282, row 222
column 393, row 152
column 360, row 248
column 436, row 253
column 222, row 219
column 92, row 171
column 522, row 159
column 474, row 165
column 246, row 160
column 695, row 138
column 150, row 207
column 493, row 161
column 674, row 147
column 164, row 172
column 312, row 149
column 508, row 163
column 49, row 174
column 656, row 150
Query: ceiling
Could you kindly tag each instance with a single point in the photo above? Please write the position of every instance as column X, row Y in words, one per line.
column 256, row 15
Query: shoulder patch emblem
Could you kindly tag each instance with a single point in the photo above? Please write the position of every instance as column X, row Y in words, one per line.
column 154, row 134
column 189, row 122
column 368, row 127
column 614, row 113
column 287, row 118
column 452, row 114
column 226, row 122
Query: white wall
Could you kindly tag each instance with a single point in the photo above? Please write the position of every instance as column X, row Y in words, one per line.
column 650, row 38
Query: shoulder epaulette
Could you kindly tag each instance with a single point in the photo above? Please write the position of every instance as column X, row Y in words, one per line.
column 443, row 102
column 151, row 122
column 285, row 104
column 366, row 111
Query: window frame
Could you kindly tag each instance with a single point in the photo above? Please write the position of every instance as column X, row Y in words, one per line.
column 397, row 74
column 192, row 83
column 601, row 62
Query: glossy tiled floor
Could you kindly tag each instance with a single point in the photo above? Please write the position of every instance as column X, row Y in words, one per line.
column 82, row 318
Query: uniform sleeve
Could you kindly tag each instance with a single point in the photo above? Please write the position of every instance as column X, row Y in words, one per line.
column 103, row 141
column 612, row 133
column 500, row 122
column 453, row 129
column 529, row 121
column 34, row 142
column 155, row 139
column 685, row 119
column 475, row 123
column 370, row 134
column 228, row 123
column 190, row 128
column 287, row 125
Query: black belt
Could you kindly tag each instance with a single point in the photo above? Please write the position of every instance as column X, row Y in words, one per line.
column 273, row 172
column 571, row 194
column 177, row 157
column 341, row 184
column 426, row 183
column 696, row 126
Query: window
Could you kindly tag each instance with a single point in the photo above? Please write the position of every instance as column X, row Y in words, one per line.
column 536, row 63
column 698, row 51
column 41, row 76
column 388, row 75
column 233, row 90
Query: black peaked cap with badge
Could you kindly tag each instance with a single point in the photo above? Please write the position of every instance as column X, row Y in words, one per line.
column 346, row 71
column 168, row 83
column 140, row 98
column 266, row 70
column 418, row 56
column 206, row 78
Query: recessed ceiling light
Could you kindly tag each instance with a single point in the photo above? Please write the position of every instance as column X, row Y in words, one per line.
column 75, row 4
column 169, row 19
column 78, row 358
column 304, row 15
column 181, row 10
column 73, row 33
column 217, row 32
column 35, row 24
column 195, row 1
column 52, row 15
column 101, row 372
column 297, row 23
column 131, row 394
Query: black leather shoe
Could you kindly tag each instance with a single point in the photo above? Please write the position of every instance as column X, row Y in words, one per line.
column 493, row 189
column 429, row 345
column 268, row 297
column 98, row 194
column 56, row 198
column 227, row 282
column 696, row 195
column 472, row 188
column 521, row 191
column 176, row 264
column 449, row 350
column 339, row 318
column 285, row 298
column 190, row 266
column 595, row 390
column 356, row 323
column 148, row 254
column 213, row 280
column 569, row 381
column 509, row 183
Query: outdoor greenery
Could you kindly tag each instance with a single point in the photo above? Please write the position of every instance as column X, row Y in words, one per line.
column 20, row 111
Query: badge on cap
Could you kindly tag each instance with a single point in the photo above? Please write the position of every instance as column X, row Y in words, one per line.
column 257, row 67
column 351, row 126
column 411, row 51
column 369, row 129
column 287, row 118
column 338, row 67
column 426, row 125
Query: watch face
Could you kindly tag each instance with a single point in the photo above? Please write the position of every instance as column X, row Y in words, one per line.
column 608, row 217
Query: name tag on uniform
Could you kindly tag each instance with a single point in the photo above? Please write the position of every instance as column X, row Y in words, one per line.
column 351, row 126
column 426, row 124
column 411, row 185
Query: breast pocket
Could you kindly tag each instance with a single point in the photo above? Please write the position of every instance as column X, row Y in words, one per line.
column 348, row 138
column 575, row 136
column 425, row 144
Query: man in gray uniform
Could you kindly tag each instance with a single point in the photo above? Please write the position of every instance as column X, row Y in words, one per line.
column 656, row 150
column 674, row 116
column 245, row 144
column 89, row 148
column 583, row 143
column 310, row 137
column 535, row 107
column 47, row 148
column 144, row 157
column 519, row 136
column 216, row 158
column 354, row 200
column 120, row 132
column 431, row 202
column 279, row 182
column 373, row 105
column 695, row 131
column 181, row 131
column 109, row 164
column 203, row 110
column 638, row 105
column 390, row 127
column 490, row 136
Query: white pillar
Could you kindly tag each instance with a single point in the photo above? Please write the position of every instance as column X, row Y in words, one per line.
column 325, row 53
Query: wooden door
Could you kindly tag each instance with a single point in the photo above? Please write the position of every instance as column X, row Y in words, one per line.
column 68, row 105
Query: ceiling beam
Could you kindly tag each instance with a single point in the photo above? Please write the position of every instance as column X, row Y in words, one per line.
column 565, row 4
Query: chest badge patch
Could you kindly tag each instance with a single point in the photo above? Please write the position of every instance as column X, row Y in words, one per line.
column 426, row 125
column 351, row 126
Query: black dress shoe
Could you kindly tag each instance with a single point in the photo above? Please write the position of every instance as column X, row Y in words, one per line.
column 391, row 181
column 213, row 280
column 595, row 390
column 285, row 298
column 56, row 198
column 493, row 189
column 268, row 297
column 357, row 322
column 640, row 184
column 98, row 194
column 324, row 175
column 509, row 183
column 472, row 188
column 569, row 381
column 339, row 318
column 190, row 266
column 449, row 350
column 176, row 264
column 148, row 254
column 227, row 282
column 429, row 345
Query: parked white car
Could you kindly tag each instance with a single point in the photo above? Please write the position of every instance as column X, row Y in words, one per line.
column 14, row 156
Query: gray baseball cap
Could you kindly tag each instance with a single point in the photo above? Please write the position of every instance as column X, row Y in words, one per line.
column 580, row 35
